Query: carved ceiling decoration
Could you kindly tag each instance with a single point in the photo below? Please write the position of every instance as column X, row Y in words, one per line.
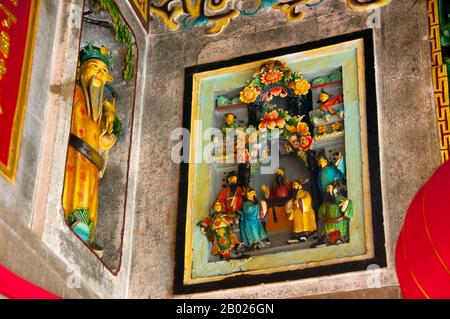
column 215, row 15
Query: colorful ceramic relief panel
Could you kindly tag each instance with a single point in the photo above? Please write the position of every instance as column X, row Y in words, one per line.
column 287, row 186
column 18, row 21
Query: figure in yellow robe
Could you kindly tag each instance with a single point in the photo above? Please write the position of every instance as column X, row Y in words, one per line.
column 90, row 140
column 301, row 214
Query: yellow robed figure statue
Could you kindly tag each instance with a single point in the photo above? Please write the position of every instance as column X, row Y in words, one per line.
column 92, row 135
column 301, row 214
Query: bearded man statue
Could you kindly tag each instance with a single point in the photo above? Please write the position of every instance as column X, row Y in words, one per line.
column 91, row 137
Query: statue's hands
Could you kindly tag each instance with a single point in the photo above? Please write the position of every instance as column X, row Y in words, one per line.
column 289, row 206
column 109, row 123
column 109, row 114
column 344, row 205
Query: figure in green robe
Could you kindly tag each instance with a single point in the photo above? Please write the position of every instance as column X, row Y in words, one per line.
column 230, row 123
column 335, row 214
column 218, row 229
column 252, row 213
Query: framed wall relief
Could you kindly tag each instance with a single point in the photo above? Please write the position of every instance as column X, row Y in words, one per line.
column 280, row 178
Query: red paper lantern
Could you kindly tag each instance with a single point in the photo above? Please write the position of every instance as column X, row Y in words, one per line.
column 423, row 247
column 14, row 287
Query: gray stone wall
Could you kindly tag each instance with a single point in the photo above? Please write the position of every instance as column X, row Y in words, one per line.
column 409, row 145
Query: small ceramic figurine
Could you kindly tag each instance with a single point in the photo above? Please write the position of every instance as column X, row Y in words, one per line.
column 281, row 189
column 230, row 122
column 341, row 112
column 314, row 119
column 231, row 196
column 327, row 174
column 218, row 229
column 252, row 213
column 335, row 214
column 327, row 102
column 222, row 101
column 301, row 213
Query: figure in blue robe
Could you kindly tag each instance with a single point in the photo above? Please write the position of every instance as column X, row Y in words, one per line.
column 327, row 175
column 252, row 230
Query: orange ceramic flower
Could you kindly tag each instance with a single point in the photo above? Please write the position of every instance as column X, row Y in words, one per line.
column 271, row 76
column 336, row 126
column 281, row 123
column 301, row 128
column 271, row 120
column 301, row 87
column 322, row 129
column 276, row 91
column 249, row 94
column 306, row 143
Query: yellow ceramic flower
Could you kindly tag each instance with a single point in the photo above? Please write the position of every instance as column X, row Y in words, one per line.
column 104, row 51
column 301, row 87
column 336, row 126
column 249, row 94
column 301, row 128
column 271, row 76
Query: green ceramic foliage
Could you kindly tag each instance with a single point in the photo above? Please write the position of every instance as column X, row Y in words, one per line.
column 123, row 36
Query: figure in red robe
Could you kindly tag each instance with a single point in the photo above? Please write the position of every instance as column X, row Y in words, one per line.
column 281, row 188
column 327, row 102
column 231, row 196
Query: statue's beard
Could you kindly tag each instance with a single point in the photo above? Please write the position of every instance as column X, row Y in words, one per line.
column 279, row 180
column 330, row 198
column 233, row 188
column 93, row 92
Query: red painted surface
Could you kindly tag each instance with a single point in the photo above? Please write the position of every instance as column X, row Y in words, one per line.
column 423, row 247
column 14, row 287
column 325, row 85
column 10, row 82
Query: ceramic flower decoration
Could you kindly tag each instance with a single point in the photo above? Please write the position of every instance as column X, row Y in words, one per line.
column 300, row 86
column 274, row 79
column 271, row 120
column 271, row 76
column 249, row 94
column 302, row 129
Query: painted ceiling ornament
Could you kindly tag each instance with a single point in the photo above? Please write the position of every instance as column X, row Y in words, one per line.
column 215, row 15
column 365, row 5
